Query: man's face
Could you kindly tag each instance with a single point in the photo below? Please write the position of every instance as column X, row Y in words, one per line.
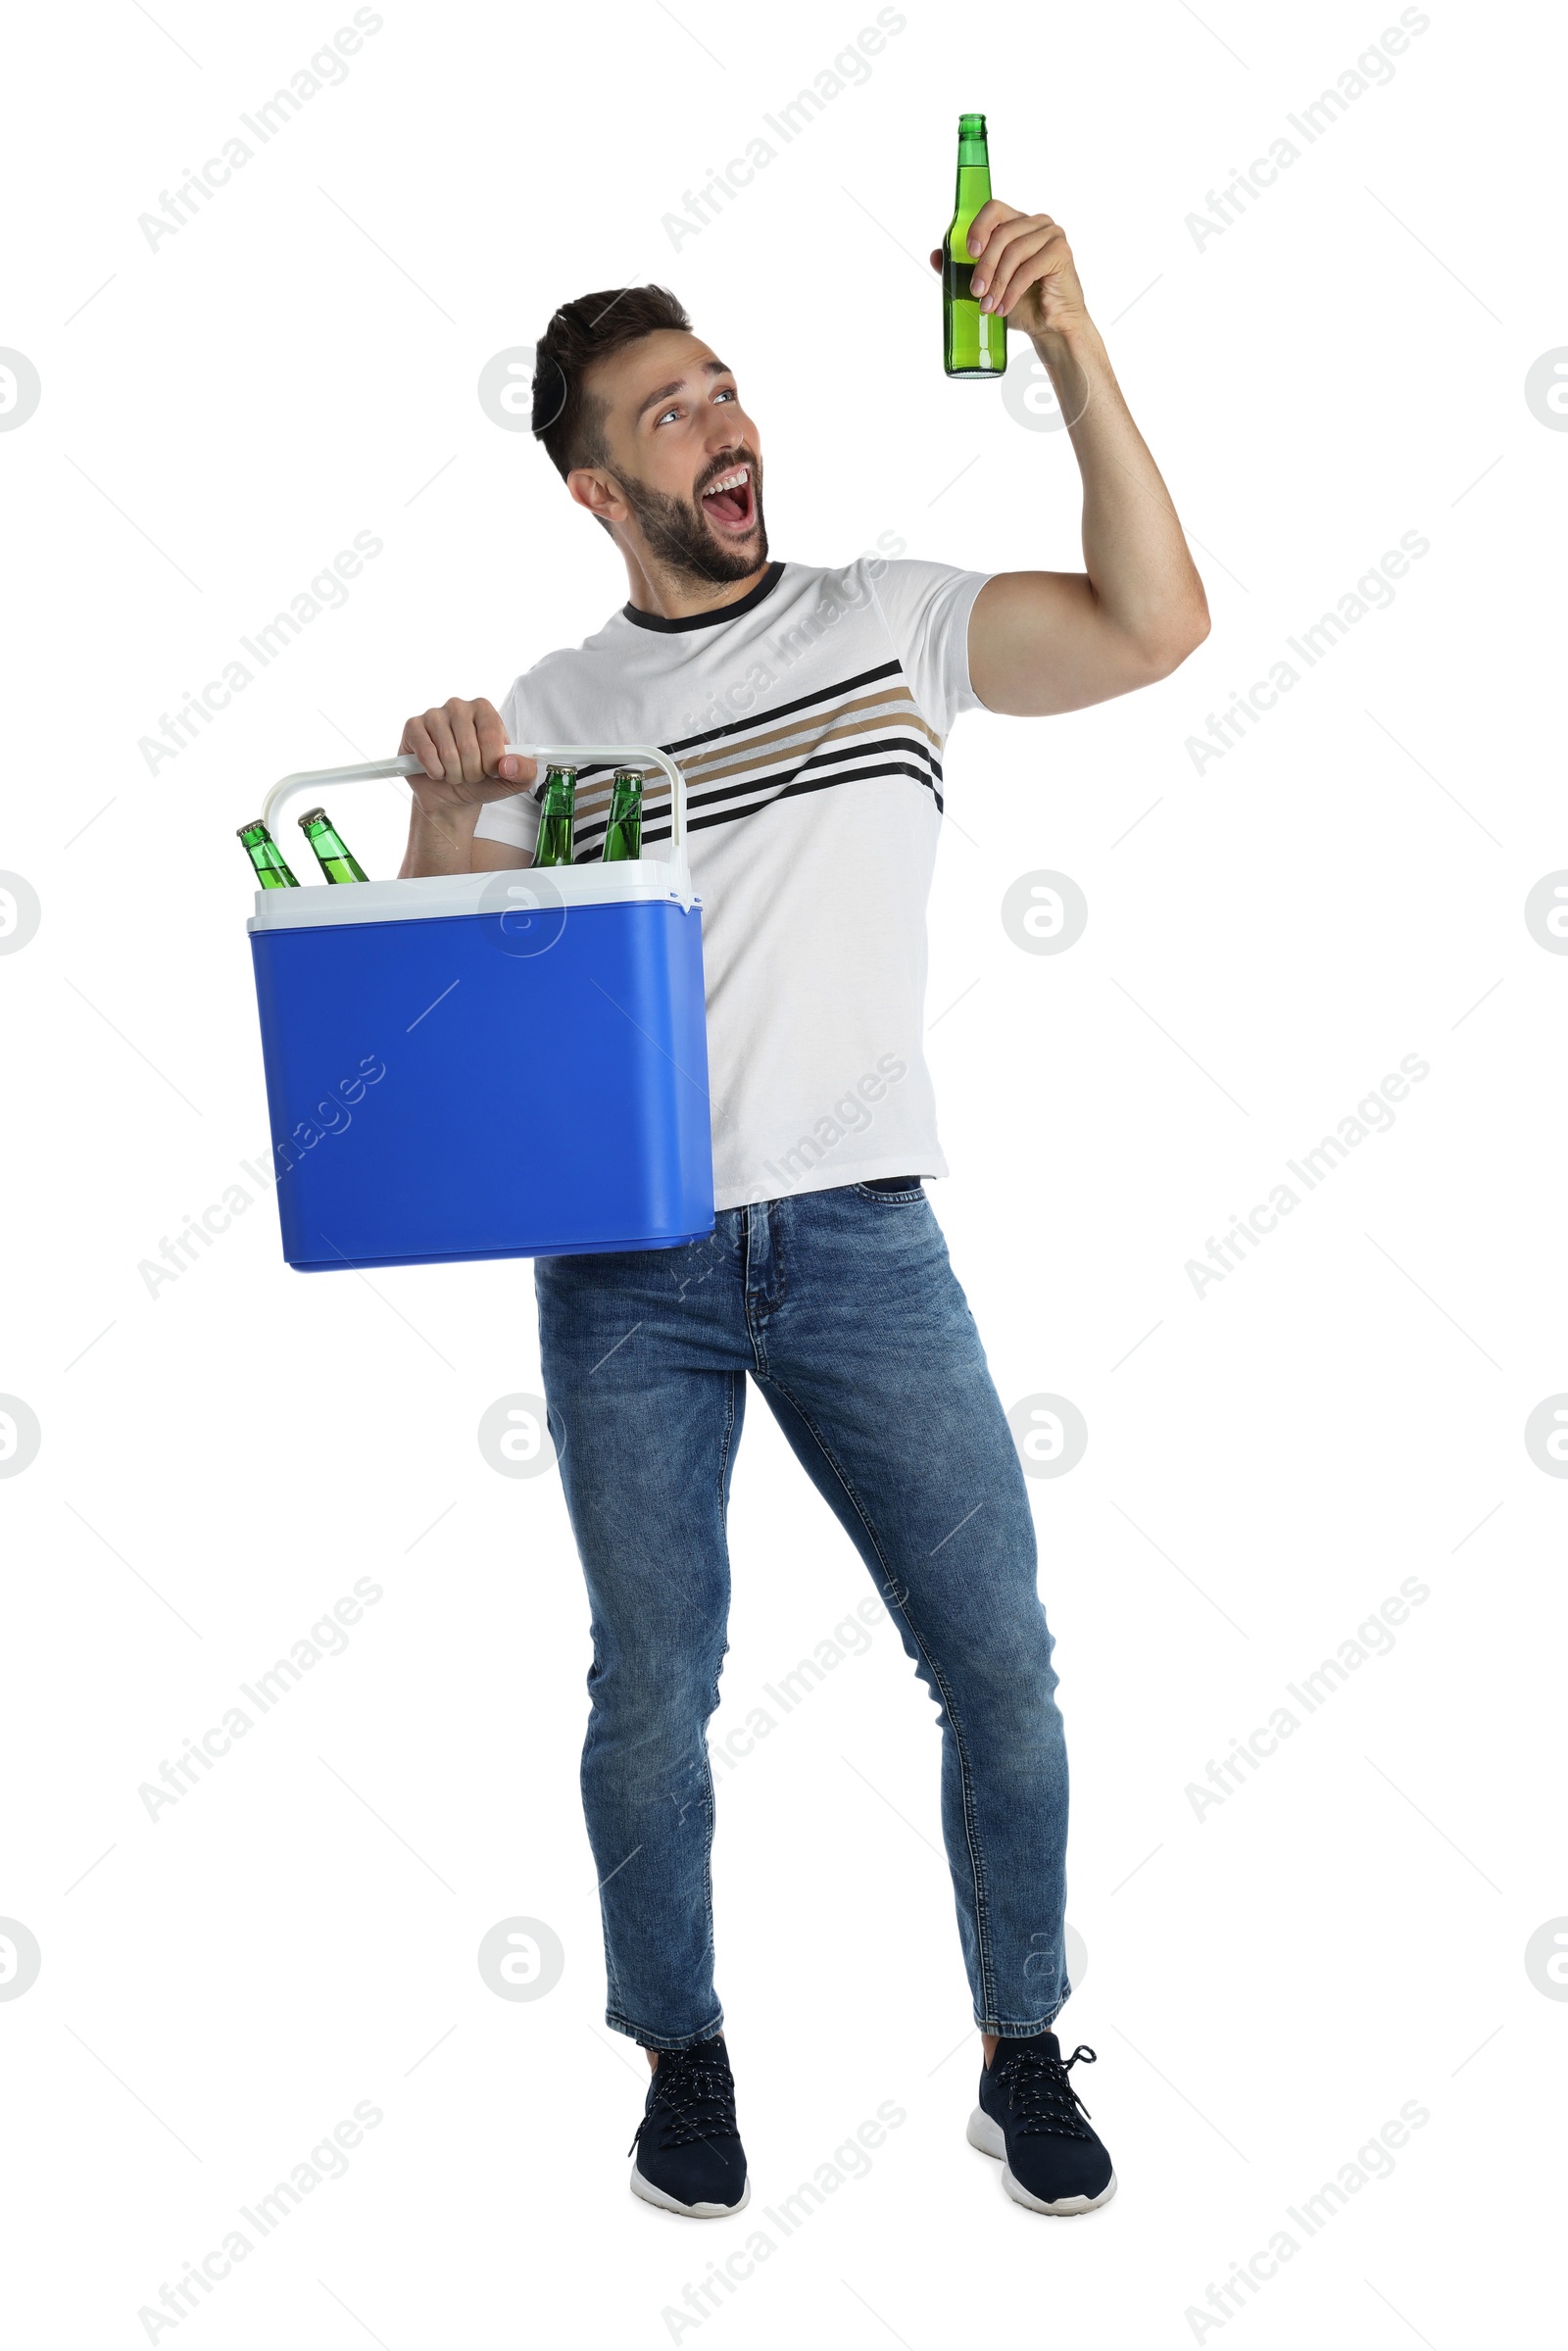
column 685, row 468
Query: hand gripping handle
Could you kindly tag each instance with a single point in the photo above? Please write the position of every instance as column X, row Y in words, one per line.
column 552, row 755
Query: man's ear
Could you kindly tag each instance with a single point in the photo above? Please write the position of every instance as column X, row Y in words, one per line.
column 597, row 491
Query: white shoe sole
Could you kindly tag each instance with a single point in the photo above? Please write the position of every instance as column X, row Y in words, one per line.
column 987, row 2136
column 694, row 2212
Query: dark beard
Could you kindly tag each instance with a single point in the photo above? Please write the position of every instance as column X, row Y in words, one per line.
column 677, row 535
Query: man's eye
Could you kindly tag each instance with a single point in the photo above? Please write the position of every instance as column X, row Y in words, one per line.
column 664, row 419
column 730, row 394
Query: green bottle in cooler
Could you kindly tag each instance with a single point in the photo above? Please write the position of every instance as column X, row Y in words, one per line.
column 336, row 860
column 272, row 873
column 974, row 341
column 553, row 845
column 623, row 835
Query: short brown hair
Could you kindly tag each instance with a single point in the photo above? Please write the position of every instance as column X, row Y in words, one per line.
column 567, row 419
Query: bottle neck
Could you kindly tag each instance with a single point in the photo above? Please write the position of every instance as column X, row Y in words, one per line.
column 973, row 189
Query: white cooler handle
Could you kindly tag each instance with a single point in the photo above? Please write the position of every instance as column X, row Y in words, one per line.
column 553, row 755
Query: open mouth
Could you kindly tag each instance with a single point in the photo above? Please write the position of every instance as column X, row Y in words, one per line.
column 729, row 502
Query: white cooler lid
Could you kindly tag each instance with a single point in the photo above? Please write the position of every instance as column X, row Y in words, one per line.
column 315, row 906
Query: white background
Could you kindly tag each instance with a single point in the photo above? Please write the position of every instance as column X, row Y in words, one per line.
column 1266, row 1985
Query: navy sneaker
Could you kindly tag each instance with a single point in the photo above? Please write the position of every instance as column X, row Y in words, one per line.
column 688, row 2146
column 1030, row 2116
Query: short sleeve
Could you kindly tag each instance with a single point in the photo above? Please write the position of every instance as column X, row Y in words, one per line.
column 515, row 820
column 926, row 608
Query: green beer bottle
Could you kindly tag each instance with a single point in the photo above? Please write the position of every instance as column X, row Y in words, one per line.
column 268, row 859
column 336, row 860
column 974, row 341
column 553, row 845
column 624, row 836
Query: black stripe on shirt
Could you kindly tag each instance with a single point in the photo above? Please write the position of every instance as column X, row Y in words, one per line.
column 773, row 787
column 767, row 719
column 794, row 791
column 754, row 791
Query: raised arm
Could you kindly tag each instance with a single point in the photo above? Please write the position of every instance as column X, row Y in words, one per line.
column 1047, row 641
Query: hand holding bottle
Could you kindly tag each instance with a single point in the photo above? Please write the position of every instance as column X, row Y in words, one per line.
column 1020, row 265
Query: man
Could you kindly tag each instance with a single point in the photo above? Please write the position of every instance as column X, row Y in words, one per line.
column 808, row 709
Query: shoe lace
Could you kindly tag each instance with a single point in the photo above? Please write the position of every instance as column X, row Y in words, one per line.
column 1038, row 2092
column 693, row 2098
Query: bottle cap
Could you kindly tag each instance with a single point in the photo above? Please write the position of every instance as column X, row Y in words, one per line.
column 313, row 816
column 254, row 825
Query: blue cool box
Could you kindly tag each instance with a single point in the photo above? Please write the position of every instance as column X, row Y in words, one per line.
column 453, row 1071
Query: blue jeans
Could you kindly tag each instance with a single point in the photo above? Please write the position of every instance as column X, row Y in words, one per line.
column 843, row 1308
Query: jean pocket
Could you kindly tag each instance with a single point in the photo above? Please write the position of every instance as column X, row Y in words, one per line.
column 890, row 1191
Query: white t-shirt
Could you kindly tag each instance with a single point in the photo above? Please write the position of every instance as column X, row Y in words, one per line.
column 808, row 720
